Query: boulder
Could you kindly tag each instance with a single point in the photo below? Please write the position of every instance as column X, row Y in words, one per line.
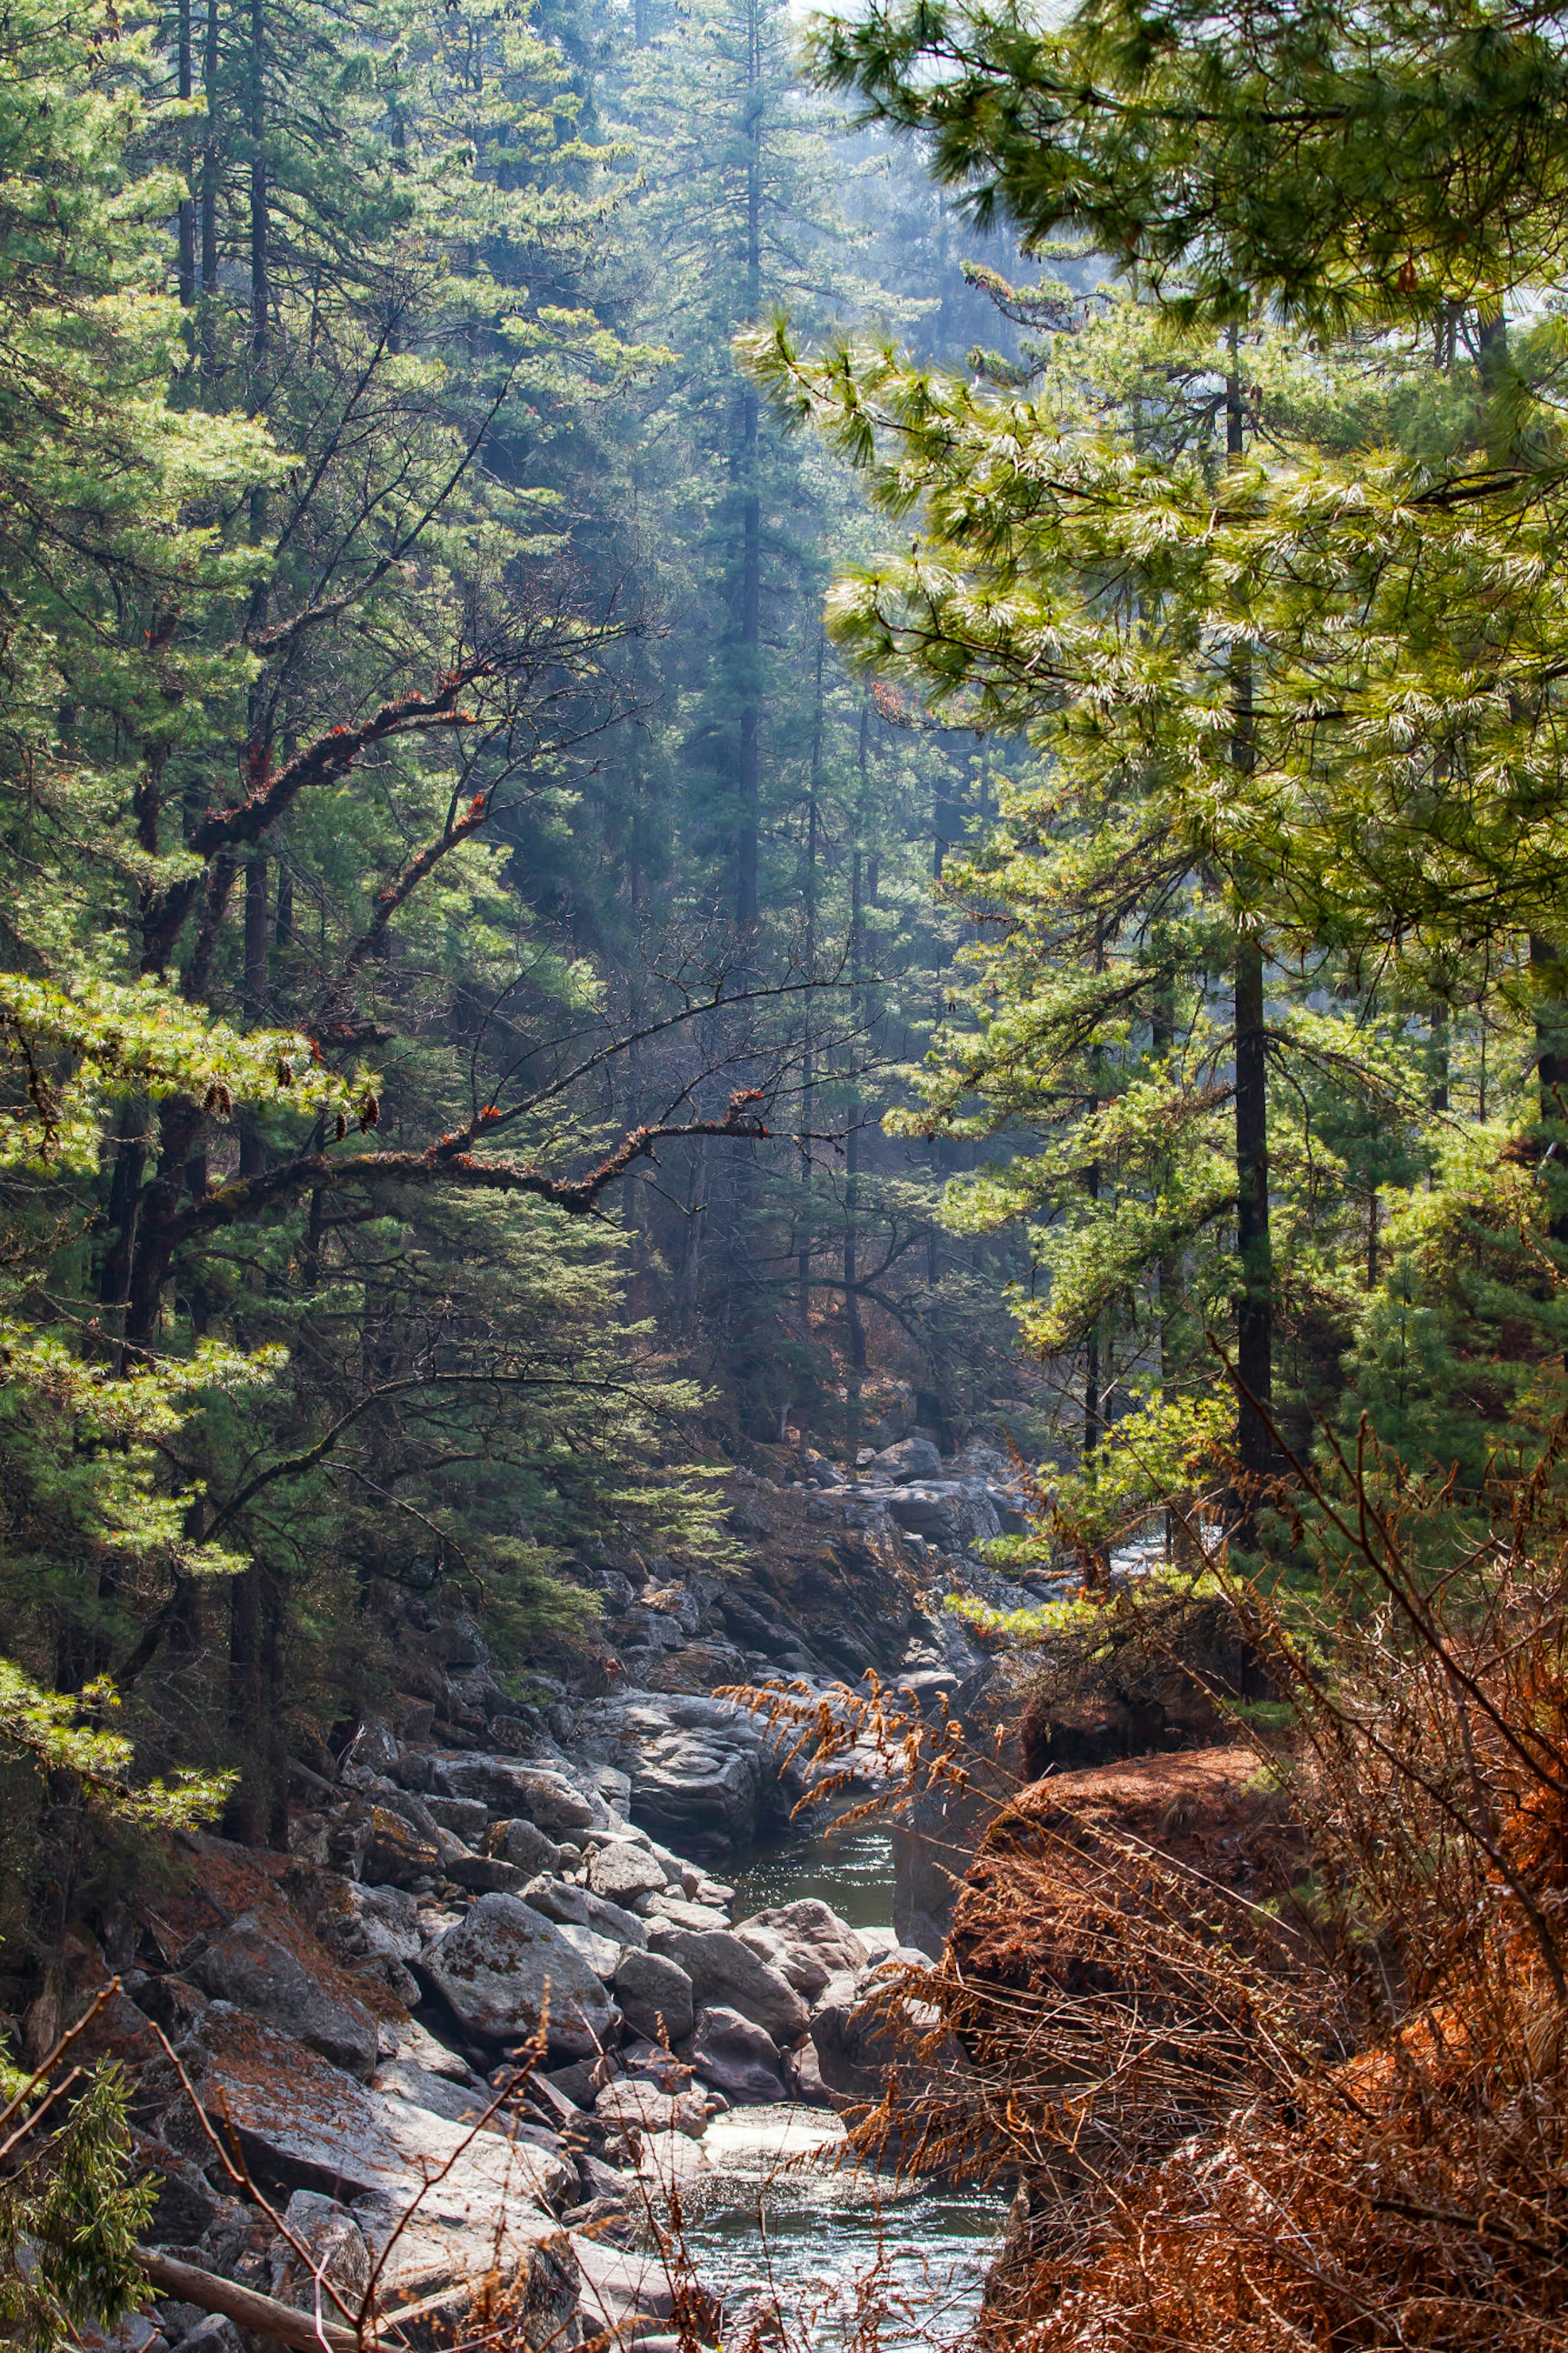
column 683, row 1914
column 797, row 1965
column 509, row 1787
column 265, row 1963
column 302, row 2125
column 486, row 1875
column 621, row 1871
column 911, row 1458
column 655, row 1995
column 188, row 2205
column 651, row 2063
column 700, row 1793
column 601, row 1953
column 803, row 2072
column 560, row 1902
column 400, row 2079
column 864, row 2037
column 729, row 1974
column 736, row 2057
column 374, row 1748
column 329, row 2246
column 523, row 1844
column 643, row 2106
column 620, row 2289
column 503, row 1964
column 396, row 1851
column 810, row 1925
column 463, row 1818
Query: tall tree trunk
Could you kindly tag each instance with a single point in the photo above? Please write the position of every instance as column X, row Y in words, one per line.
column 187, row 222
column 243, row 1815
column 808, row 1066
column 260, row 258
column 750, row 745
column 1437, row 1049
column 1550, row 979
column 1255, row 1303
column 252, row 1157
column 209, row 191
column 852, row 1139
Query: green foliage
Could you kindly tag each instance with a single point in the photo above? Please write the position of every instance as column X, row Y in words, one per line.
column 70, row 2215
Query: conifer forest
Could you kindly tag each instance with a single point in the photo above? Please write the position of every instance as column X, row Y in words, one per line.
column 784, row 1176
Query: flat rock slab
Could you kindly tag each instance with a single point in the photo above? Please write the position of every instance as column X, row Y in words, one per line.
column 302, row 2125
column 268, row 1964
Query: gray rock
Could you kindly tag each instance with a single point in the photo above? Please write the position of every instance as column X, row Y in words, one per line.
column 730, row 1975
column 683, row 1914
column 375, row 1747
column 465, row 1817
column 249, row 1966
column 797, row 1965
column 820, row 1944
column 726, row 1973
column 736, row 2057
column 334, row 2253
column 648, row 2109
column 911, row 1458
column 524, row 1844
column 486, row 1875
column 508, row 1787
column 601, row 1953
column 215, row 2333
column 390, row 1919
column 700, row 1792
column 302, row 2125
column 500, row 1965
column 458, row 2102
column 865, row 2039
column 398, row 1853
column 656, row 1996
column 560, row 1902
column 622, row 1871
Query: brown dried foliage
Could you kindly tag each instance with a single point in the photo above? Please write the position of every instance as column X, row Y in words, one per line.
column 1284, row 2064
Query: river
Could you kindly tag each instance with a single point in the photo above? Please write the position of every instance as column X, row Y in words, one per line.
column 826, row 2242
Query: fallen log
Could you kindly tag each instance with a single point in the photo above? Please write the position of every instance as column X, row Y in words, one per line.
column 264, row 2317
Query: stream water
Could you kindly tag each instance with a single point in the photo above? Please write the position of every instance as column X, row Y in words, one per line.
column 823, row 2241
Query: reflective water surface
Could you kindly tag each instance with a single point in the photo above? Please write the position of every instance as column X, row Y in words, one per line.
column 776, row 2216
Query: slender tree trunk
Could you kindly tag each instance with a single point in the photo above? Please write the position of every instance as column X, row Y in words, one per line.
column 1255, row 1303
column 1437, row 1031
column 852, row 1140
column 209, row 191
column 260, row 258
column 1551, row 976
column 808, row 1066
column 187, row 222
column 252, row 1157
column 750, row 747
column 243, row 1815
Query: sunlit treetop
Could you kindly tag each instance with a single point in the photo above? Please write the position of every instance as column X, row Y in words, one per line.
column 1330, row 164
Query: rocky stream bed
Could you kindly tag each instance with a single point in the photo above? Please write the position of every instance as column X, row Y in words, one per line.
column 519, row 1966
